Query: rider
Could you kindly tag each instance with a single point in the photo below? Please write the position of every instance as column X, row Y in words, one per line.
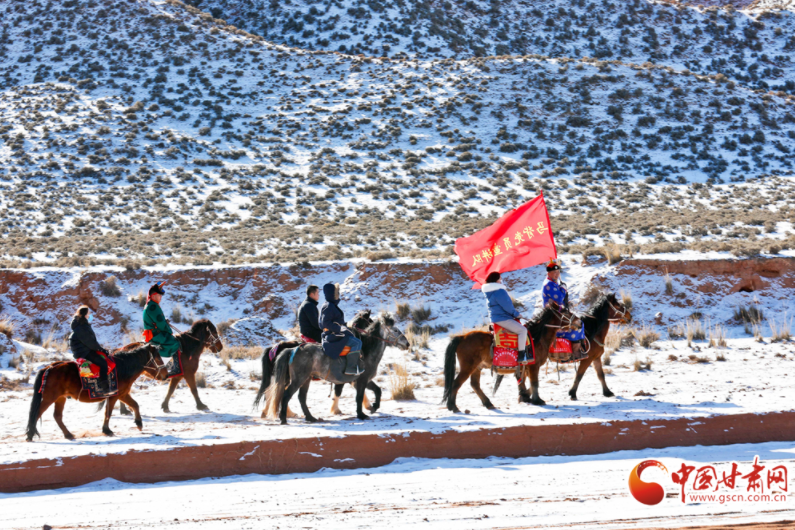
column 308, row 316
column 557, row 291
column 335, row 334
column 156, row 328
column 503, row 313
column 84, row 345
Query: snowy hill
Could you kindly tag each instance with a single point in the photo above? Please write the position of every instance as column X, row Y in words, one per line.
column 752, row 46
column 149, row 131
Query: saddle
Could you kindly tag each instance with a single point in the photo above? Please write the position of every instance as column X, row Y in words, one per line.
column 505, row 350
column 561, row 351
column 89, row 377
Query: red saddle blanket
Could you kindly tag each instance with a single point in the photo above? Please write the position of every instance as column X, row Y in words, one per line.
column 89, row 370
column 506, row 348
column 561, row 345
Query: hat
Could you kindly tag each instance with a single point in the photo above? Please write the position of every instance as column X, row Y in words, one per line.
column 553, row 266
column 157, row 288
column 493, row 277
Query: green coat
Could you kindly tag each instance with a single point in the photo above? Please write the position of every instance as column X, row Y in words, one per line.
column 156, row 321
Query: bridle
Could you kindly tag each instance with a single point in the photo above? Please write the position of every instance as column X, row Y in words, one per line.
column 623, row 313
column 392, row 335
column 151, row 361
column 569, row 319
column 205, row 343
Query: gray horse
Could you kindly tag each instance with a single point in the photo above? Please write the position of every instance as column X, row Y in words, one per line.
column 294, row 371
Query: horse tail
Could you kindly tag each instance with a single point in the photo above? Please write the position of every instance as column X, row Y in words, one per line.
column 449, row 366
column 275, row 392
column 267, row 370
column 35, row 405
column 497, row 381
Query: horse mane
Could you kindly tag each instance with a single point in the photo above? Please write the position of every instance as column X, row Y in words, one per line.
column 597, row 316
column 204, row 322
column 372, row 333
column 539, row 321
column 131, row 361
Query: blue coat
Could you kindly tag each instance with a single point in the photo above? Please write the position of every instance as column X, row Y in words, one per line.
column 332, row 322
column 556, row 292
column 500, row 304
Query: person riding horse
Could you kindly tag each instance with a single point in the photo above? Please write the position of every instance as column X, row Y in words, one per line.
column 308, row 316
column 84, row 345
column 503, row 313
column 336, row 336
column 556, row 291
column 156, row 327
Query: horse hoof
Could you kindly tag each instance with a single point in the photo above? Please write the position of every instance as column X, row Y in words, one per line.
column 166, row 409
column 573, row 396
column 140, row 425
column 539, row 402
column 283, row 422
column 608, row 394
column 203, row 408
column 108, row 432
column 363, row 416
column 312, row 419
column 68, row 436
column 491, row 407
column 372, row 409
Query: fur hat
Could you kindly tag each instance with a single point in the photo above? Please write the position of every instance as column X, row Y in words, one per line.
column 157, row 288
column 553, row 266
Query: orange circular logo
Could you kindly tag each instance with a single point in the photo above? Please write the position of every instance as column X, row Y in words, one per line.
column 649, row 493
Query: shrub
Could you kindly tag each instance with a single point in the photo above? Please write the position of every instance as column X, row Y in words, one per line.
column 400, row 385
column 418, row 336
column 751, row 314
column 109, row 287
column 780, row 330
column 694, row 330
column 669, row 284
column 201, row 380
column 420, row 313
column 646, row 335
column 626, row 299
column 139, row 299
column 6, row 327
column 717, row 337
column 33, row 336
column 402, row 310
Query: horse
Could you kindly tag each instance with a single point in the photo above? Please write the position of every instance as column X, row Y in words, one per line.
column 473, row 350
column 597, row 321
column 59, row 380
column 202, row 334
column 360, row 321
column 294, row 372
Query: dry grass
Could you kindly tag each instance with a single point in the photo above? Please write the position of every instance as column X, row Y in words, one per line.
column 613, row 339
column 669, row 283
column 201, row 380
column 646, row 335
column 606, row 360
column 402, row 310
column 418, row 336
column 518, row 304
column 33, row 336
column 720, row 357
column 612, row 252
column 224, row 326
column 139, row 298
column 6, row 327
column 11, row 385
column 717, row 337
column 252, row 351
column 749, row 315
column 420, row 313
column 110, row 287
column 626, row 298
column 15, row 362
column 694, row 330
column 640, row 366
column 677, row 331
column 780, row 329
column 400, row 385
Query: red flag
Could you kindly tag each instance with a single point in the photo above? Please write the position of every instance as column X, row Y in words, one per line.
column 521, row 238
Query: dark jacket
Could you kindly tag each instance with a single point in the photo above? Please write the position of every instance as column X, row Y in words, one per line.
column 332, row 322
column 82, row 340
column 308, row 320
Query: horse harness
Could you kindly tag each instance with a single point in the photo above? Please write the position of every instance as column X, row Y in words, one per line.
column 388, row 341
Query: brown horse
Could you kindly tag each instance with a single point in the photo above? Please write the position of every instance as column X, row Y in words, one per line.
column 597, row 321
column 473, row 352
column 202, row 334
column 59, row 380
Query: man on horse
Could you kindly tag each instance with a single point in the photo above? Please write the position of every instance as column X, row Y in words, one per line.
column 336, row 336
column 156, row 328
column 555, row 290
column 503, row 313
column 84, row 345
column 308, row 317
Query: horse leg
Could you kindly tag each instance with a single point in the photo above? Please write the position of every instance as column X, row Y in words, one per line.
column 111, row 402
column 302, row 392
column 335, row 405
column 366, row 402
column 58, row 415
column 474, row 381
column 291, row 389
column 360, row 388
column 172, row 386
column 124, row 411
column 577, row 378
column 521, row 376
column 534, row 398
column 377, row 391
column 460, row 379
column 134, row 406
column 191, row 380
column 600, row 373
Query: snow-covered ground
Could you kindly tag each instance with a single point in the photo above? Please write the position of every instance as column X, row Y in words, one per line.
column 540, row 492
column 754, row 378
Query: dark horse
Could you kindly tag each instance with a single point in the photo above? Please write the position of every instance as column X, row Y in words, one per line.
column 360, row 321
column 202, row 334
column 295, row 372
column 473, row 350
column 60, row 380
column 597, row 321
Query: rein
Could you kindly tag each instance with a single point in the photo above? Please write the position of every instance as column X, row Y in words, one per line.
column 390, row 342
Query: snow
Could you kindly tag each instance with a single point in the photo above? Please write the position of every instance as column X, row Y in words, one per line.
column 584, row 492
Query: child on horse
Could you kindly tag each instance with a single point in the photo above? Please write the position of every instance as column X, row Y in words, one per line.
column 503, row 313
column 336, row 336
column 557, row 291
column 156, row 328
column 84, row 345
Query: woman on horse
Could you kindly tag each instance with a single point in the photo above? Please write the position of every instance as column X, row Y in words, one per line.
column 336, row 336
column 503, row 313
column 556, row 290
column 84, row 345
column 156, row 328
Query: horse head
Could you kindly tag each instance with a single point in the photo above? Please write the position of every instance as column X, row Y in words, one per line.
column 211, row 339
column 361, row 320
column 563, row 317
column 618, row 311
column 391, row 334
column 155, row 367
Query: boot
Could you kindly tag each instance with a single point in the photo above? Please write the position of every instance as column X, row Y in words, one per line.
column 576, row 350
column 352, row 363
column 103, row 384
column 523, row 358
